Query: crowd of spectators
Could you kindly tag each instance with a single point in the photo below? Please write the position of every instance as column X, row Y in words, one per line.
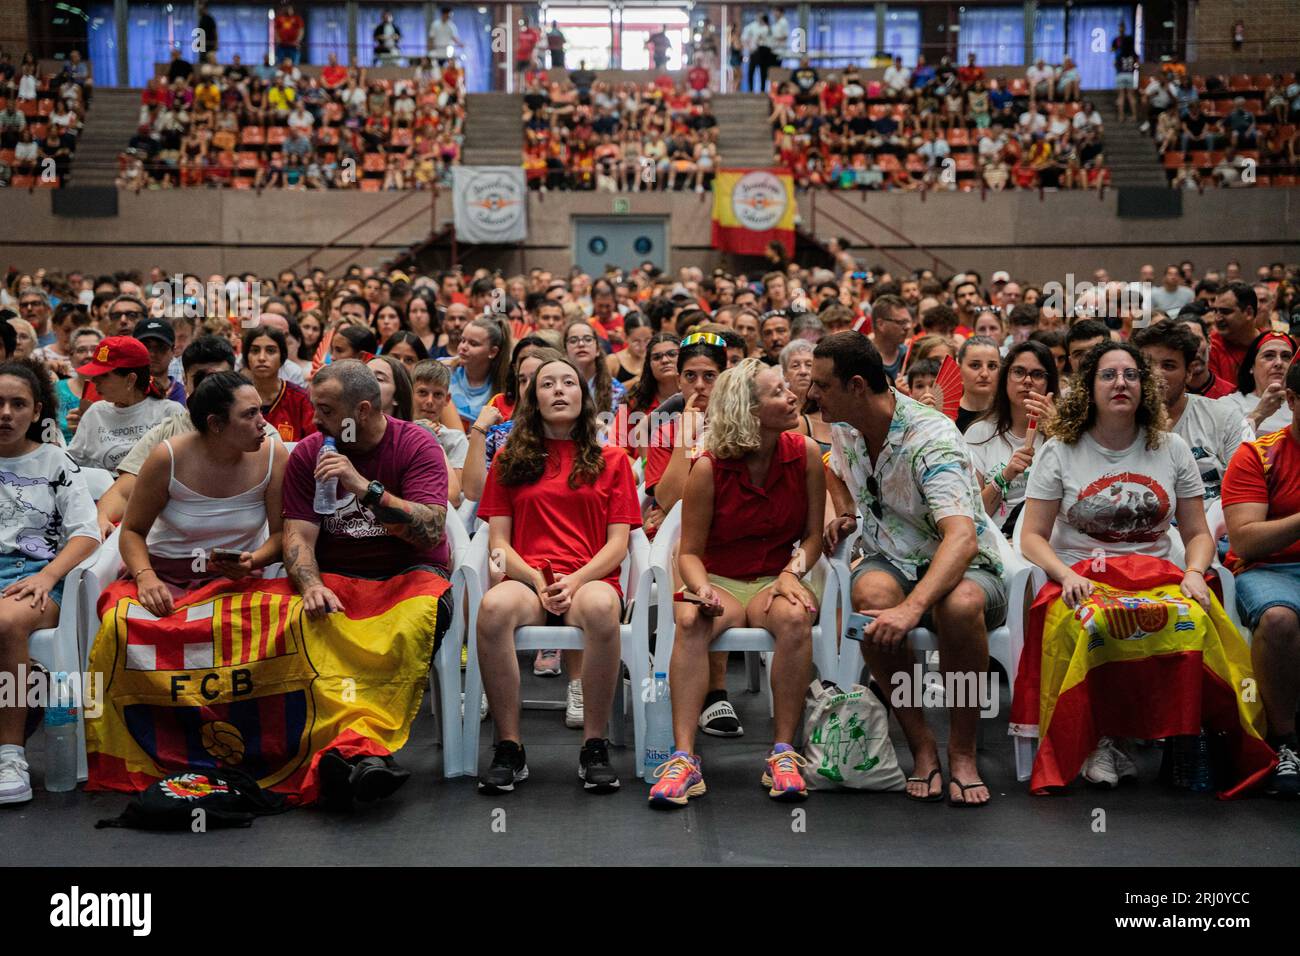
column 1207, row 375
column 937, row 126
column 41, row 115
column 331, row 127
column 1224, row 131
column 582, row 133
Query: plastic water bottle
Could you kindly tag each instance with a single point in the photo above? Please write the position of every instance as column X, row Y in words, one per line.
column 61, row 735
column 326, row 499
column 659, row 727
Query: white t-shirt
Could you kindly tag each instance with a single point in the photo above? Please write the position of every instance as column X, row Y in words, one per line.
column 106, row 433
column 442, row 35
column 1036, row 75
column 1084, row 119
column 897, row 77
column 1212, row 429
column 44, row 503
column 1245, row 404
column 991, row 453
column 455, row 444
column 1114, row 502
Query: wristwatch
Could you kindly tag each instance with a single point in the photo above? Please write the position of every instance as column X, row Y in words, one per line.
column 374, row 491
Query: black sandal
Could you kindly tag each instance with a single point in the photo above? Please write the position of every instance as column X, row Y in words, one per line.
column 929, row 797
column 963, row 803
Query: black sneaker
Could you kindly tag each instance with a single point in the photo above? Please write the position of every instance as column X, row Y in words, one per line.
column 1284, row 781
column 335, row 789
column 376, row 777
column 594, row 769
column 509, row 767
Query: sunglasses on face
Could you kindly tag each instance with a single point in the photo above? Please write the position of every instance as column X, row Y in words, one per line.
column 130, row 314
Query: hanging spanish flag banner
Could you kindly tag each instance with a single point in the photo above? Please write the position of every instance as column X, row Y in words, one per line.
column 752, row 207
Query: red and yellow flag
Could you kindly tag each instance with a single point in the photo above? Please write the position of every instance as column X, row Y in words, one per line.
column 752, row 207
column 239, row 676
column 1137, row 659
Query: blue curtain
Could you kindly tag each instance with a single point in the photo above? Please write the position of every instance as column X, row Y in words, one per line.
column 409, row 20
column 1092, row 29
column 327, row 32
column 101, row 35
column 151, row 30
column 475, row 31
column 996, row 35
column 1049, row 34
column 903, row 34
column 242, row 29
column 840, row 36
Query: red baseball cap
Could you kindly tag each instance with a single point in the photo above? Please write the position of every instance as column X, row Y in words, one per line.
column 116, row 352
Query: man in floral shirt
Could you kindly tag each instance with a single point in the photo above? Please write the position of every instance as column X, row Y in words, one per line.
column 931, row 552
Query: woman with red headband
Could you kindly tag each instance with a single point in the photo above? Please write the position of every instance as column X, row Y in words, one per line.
column 1261, row 383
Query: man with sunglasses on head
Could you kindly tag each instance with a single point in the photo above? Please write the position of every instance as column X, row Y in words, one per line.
column 932, row 555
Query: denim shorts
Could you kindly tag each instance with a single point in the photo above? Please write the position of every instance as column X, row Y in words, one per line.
column 1271, row 585
column 15, row 567
column 994, row 588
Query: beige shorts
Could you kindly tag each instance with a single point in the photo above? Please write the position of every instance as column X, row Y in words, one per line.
column 746, row 591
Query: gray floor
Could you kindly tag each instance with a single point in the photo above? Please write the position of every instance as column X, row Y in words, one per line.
column 550, row 820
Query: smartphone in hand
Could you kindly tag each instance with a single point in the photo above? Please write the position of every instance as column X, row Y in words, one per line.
column 857, row 625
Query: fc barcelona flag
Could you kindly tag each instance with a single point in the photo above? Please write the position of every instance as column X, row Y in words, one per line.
column 752, row 207
column 1136, row 659
column 239, row 676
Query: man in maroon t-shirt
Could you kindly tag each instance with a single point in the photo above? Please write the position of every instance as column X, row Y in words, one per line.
column 389, row 517
column 391, row 504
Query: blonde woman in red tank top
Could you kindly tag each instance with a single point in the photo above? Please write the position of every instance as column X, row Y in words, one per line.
column 752, row 517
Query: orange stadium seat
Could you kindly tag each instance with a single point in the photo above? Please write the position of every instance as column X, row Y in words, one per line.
column 252, row 136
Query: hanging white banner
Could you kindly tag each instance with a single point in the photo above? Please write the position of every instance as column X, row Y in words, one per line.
column 491, row 204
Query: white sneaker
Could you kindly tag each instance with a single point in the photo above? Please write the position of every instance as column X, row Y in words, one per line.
column 482, row 707
column 573, row 715
column 1125, row 765
column 547, row 663
column 1099, row 769
column 15, row 781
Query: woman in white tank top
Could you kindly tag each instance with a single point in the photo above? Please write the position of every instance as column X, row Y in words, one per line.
column 183, row 506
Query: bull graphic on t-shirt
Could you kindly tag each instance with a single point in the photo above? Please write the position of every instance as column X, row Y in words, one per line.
column 1121, row 507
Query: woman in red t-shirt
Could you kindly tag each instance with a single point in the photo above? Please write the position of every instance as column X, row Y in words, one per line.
column 752, row 518
column 657, row 382
column 286, row 407
column 558, row 505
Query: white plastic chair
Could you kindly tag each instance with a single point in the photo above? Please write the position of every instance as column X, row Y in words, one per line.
column 1005, row 642
column 66, row 646
column 97, row 480
column 748, row 639
column 445, row 676
column 634, row 640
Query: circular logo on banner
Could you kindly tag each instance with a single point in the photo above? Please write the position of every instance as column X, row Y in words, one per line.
column 495, row 203
column 758, row 201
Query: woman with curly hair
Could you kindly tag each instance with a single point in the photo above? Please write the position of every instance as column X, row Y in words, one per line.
column 1109, row 481
column 752, row 519
column 560, row 509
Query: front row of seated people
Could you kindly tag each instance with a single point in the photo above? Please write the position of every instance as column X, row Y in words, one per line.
column 753, row 526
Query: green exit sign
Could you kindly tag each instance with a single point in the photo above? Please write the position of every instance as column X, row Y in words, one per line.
column 622, row 205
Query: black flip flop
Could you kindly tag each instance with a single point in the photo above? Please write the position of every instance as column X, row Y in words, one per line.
column 929, row 797
column 963, row 803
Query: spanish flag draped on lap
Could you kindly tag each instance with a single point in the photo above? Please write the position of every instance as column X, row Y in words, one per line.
column 239, row 676
column 1136, row 659
column 751, row 208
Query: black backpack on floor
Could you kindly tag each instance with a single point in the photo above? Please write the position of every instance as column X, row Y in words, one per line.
column 198, row 801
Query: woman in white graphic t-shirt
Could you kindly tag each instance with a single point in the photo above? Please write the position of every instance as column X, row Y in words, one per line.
column 1110, row 481
column 129, row 405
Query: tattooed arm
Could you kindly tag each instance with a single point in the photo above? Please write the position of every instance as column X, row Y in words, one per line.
column 421, row 525
column 300, row 564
